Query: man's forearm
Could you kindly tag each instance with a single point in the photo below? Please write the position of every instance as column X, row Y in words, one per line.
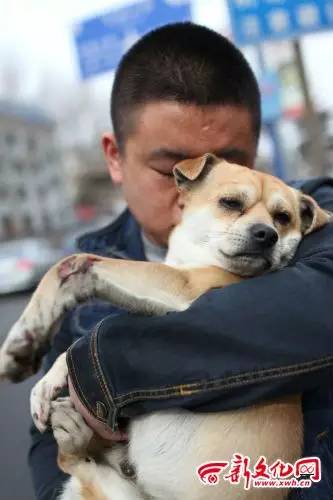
column 262, row 338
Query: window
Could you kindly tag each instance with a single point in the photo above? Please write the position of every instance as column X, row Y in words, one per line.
column 32, row 144
column 27, row 222
column 10, row 139
column 51, row 156
column 42, row 191
column 46, row 221
column 8, row 227
column 18, row 166
column 3, row 192
column 21, row 192
column 35, row 166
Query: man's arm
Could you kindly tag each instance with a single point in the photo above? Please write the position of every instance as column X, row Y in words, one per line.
column 262, row 338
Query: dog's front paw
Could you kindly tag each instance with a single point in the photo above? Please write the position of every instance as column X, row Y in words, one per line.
column 70, row 430
column 45, row 391
column 20, row 354
column 41, row 397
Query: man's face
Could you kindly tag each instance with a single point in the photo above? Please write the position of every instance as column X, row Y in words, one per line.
column 164, row 133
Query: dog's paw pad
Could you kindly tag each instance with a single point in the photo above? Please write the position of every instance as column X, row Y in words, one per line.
column 70, row 430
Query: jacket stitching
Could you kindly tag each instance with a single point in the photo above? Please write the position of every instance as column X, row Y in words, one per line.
column 101, row 377
column 234, row 381
column 81, row 393
column 69, row 352
column 92, row 351
column 91, row 356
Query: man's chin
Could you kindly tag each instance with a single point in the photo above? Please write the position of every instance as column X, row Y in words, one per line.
column 158, row 239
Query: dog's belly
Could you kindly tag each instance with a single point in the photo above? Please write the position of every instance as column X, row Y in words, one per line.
column 166, row 448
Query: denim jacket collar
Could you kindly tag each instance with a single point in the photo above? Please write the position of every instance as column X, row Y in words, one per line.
column 121, row 239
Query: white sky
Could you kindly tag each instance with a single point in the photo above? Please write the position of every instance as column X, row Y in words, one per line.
column 38, row 34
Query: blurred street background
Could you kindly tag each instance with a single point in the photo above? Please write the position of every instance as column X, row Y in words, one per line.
column 15, row 483
column 57, row 66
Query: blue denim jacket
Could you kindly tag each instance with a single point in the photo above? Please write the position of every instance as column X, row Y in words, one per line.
column 289, row 349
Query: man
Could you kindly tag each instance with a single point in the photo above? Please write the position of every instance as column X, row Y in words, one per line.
column 180, row 92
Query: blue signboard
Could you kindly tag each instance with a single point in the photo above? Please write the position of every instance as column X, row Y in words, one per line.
column 254, row 21
column 101, row 41
column 270, row 90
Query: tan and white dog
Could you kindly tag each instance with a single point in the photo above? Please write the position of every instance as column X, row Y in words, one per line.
column 236, row 223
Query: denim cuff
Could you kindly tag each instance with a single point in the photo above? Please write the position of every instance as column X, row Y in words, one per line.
column 114, row 379
column 87, row 384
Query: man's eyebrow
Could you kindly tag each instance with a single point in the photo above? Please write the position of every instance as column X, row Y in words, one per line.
column 232, row 154
column 165, row 153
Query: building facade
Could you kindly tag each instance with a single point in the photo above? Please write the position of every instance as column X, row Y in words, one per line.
column 33, row 194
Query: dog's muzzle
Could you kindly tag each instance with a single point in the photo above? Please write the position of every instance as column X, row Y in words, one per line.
column 255, row 255
column 260, row 244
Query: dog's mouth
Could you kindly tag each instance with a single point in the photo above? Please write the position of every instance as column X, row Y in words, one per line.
column 251, row 259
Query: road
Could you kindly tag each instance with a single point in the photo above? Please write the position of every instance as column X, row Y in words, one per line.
column 15, row 483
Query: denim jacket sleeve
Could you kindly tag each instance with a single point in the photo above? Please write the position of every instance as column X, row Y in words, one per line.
column 262, row 338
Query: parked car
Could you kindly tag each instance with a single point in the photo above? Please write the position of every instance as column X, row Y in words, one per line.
column 24, row 262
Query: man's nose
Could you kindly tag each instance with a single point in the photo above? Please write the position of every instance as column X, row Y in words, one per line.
column 263, row 236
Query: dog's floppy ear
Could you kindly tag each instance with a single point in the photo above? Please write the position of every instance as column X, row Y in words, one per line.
column 312, row 216
column 188, row 171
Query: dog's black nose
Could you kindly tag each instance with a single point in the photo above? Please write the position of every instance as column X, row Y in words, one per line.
column 263, row 236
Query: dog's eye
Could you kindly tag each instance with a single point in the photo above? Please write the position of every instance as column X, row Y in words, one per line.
column 231, row 203
column 282, row 218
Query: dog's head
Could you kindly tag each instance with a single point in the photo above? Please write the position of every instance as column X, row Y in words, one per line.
column 245, row 221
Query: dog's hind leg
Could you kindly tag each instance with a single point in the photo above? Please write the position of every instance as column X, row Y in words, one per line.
column 73, row 437
column 95, row 473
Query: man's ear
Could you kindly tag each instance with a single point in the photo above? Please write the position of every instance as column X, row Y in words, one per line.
column 188, row 171
column 312, row 216
column 112, row 157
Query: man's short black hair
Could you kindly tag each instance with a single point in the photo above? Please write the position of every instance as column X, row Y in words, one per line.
column 182, row 62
